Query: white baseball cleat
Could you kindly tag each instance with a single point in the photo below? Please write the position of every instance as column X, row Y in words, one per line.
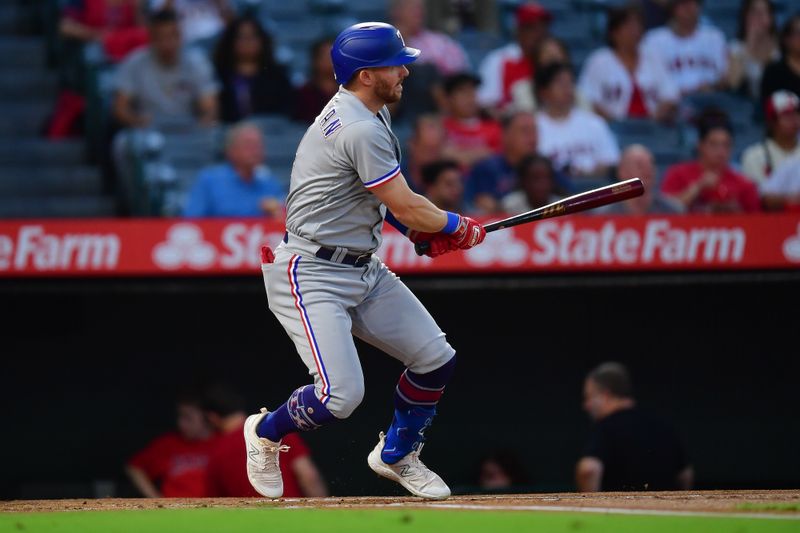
column 410, row 472
column 263, row 469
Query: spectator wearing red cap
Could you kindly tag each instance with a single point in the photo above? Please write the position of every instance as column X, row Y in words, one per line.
column 781, row 142
column 694, row 54
column 708, row 184
column 514, row 61
column 620, row 82
column 784, row 74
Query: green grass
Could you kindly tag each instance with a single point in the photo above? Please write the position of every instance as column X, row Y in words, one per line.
column 769, row 507
column 374, row 520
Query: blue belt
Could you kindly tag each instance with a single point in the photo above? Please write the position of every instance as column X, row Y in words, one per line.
column 328, row 254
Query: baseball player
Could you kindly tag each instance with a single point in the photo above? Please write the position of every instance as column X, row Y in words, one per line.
column 324, row 283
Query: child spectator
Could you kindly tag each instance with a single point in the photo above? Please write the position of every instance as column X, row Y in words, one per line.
column 638, row 162
column 240, row 187
column 709, row 185
column 494, row 177
column 227, row 475
column 536, row 183
column 470, row 135
column 426, row 145
column 755, row 46
column 694, row 54
column 622, row 83
column 784, row 74
column 164, row 83
column 320, row 87
column 513, row 62
column 501, row 471
column 253, row 82
column 783, row 127
column 200, row 20
column 174, row 465
column 444, row 184
column 578, row 142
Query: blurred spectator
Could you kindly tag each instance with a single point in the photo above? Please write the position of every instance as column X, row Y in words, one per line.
column 620, row 82
column 694, row 54
column 709, row 184
column 445, row 53
column 550, row 50
column 784, row 74
column 537, row 186
column 164, row 83
column 470, row 135
column 577, row 141
column 629, row 448
column 174, row 465
column 513, row 62
column 227, row 475
column 444, row 185
column 240, row 187
column 637, row 162
column 755, row 46
column 321, row 86
column 783, row 127
column 781, row 192
column 501, row 471
column 494, row 177
column 116, row 26
column 200, row 20
column 253, row 83
column 426, row 145
column 655, row 13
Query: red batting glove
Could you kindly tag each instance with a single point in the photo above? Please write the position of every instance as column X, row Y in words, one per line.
column 441, row 244
column 469, row 233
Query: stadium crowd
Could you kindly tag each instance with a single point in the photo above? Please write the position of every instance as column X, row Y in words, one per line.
column 524, row 126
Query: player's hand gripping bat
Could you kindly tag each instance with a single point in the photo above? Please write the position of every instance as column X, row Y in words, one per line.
column 584, row 201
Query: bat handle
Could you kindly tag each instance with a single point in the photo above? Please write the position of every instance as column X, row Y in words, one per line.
column 422, row 247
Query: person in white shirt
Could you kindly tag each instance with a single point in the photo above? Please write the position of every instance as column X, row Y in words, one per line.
column 578, row 142
column 200, row 20
column 503, row 67
column 694, row 54
column 782, row 190
column 783, row 127
column 620, row 81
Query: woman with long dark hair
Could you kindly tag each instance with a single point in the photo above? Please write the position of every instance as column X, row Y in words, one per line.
column 253, row 82
column 755, row 46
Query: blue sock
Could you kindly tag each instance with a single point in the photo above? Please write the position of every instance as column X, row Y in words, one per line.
column 301, row 412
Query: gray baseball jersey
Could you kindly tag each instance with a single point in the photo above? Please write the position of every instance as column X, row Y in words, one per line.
column 322, row 304
column 344, row 153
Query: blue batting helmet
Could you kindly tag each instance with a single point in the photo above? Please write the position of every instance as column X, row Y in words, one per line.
column 369, row 44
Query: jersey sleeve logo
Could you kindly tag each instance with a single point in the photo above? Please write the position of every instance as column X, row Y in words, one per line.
column 330, row 123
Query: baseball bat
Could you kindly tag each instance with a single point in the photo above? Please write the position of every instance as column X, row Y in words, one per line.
column 584, row 201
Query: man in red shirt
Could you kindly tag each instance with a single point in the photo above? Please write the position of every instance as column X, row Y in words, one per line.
column 709, row 184
column 227, row 475
column 469, row 135
column 174, row 464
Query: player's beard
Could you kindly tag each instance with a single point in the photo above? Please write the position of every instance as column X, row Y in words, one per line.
column 387, row 92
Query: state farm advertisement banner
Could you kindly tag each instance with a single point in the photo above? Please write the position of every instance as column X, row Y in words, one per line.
column 170, row 247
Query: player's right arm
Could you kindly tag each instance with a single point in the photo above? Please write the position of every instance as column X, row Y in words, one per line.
column 142, row 482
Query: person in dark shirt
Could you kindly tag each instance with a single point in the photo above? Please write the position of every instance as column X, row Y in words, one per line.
column 253, row 82
column 784, row 74
column 321, row 85
column 629, row 448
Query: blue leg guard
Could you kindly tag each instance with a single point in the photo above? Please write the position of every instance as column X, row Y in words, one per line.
column 406, row 432
column 301, row 412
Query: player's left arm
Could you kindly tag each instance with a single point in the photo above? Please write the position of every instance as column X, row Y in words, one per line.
column 588, row 474
column 308, row 477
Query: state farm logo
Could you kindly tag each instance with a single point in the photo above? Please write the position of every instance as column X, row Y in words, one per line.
column 499, row 246
column 36, row 249
column 184, row 246
column 791, row 247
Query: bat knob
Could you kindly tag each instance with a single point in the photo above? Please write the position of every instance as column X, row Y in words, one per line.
column 422, row 247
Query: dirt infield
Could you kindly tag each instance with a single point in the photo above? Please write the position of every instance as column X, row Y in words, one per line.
column 786, row 503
